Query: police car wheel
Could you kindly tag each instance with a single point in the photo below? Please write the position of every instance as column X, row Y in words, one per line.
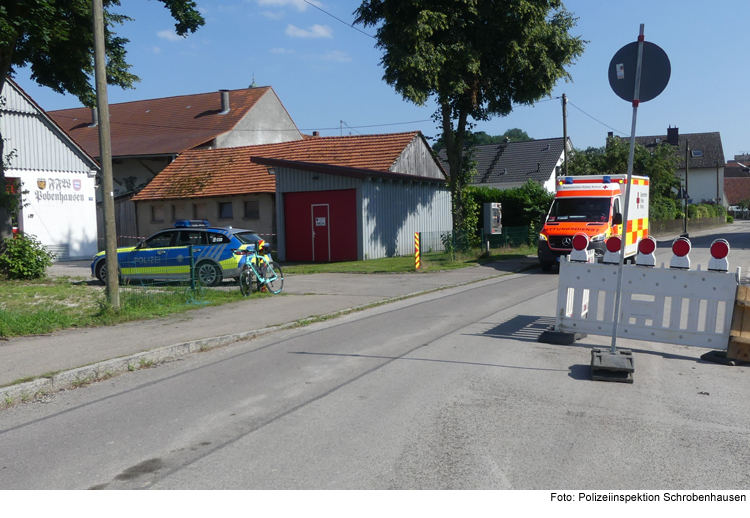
column 208, row 274
column 101, row 272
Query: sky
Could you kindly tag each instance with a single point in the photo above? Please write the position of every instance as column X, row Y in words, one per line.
column 328, row 74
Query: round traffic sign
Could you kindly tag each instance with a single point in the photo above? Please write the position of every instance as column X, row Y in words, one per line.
column 655, row 71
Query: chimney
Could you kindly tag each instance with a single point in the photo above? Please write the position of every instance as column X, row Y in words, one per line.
column 224, row 102
column 673, row 136
column 316, row 133
column 94, row 118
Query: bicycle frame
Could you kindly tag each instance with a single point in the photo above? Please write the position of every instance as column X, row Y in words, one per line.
column 251, row 260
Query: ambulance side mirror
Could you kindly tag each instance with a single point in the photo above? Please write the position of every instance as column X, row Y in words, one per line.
column 617, row 219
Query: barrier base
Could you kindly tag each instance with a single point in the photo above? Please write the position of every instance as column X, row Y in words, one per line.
column 723, row 358
column 617, row 367
column 560, row 337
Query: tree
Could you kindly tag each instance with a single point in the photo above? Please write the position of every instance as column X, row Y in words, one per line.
column 659, row 166
column 55, row 39
column 476, row 57
column 480, row 138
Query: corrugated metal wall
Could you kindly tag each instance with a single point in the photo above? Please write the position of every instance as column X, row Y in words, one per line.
column 393, row 211
column 388, row 212
column 21, row 124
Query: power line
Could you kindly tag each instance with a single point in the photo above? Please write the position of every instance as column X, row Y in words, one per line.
column 597, row 120
column 351, row 25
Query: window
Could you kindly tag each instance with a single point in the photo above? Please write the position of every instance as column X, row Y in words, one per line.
column 217, row 239
column 192, row 238
column 252, row 209
column 225, row 210
column 200, row 211
column 160, row 240
column 695, row 153
column 157, row 214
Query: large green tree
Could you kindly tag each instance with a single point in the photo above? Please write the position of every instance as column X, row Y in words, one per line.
column 55, row 39
column 476, row 58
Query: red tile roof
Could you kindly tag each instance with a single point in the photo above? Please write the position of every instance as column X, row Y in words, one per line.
column 230, row 171
column 736, row 189
column 160, row 126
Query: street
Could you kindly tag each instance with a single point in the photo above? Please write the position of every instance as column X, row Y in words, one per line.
column 448, row 390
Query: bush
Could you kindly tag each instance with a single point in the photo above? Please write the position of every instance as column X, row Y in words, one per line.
column 664, row 209
column 23, row 257
column 730, row 219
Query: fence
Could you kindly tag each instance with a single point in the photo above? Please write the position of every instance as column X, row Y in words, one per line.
column 666, row 305
column 510, row 237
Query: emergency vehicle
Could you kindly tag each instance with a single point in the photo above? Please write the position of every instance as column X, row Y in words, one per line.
column 593, row 205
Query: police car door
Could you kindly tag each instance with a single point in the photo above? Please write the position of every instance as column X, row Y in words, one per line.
column 150, row 261
column 178, row 257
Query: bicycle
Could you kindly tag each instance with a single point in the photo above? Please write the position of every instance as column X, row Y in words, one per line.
column 259, row 273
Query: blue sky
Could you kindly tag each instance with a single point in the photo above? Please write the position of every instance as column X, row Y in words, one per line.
column 325, row 72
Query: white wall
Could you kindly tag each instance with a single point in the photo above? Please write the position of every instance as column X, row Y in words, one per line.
column 267, row 122
column 702, row 184
column 62, row 215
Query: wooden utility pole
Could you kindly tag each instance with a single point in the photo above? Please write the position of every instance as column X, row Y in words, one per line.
column 565, row 134
column 105, row 157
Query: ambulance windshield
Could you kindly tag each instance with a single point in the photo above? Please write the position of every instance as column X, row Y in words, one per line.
column 580, row 209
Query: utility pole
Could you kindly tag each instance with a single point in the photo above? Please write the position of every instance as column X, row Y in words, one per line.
column 565, row 133
column 687, row 170
column 105, row 157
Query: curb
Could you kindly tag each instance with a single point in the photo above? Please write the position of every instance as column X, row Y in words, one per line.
column 106, row 369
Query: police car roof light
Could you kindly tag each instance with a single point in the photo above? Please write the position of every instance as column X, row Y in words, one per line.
column 185, row 223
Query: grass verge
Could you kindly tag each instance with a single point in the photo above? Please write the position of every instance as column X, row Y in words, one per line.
column 47, row 305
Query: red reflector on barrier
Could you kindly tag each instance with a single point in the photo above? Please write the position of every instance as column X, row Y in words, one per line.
column 647, row 245
column 614, row 243
column 681, row 247
column 719, row 249
column 580, row 241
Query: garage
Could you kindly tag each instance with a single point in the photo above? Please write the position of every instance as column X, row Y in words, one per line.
column 321, row 226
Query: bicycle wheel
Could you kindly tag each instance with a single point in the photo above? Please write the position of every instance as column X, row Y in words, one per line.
column 246, row 281
column 274, row 278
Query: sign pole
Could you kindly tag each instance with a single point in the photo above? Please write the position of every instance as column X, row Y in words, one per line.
column 624, row 230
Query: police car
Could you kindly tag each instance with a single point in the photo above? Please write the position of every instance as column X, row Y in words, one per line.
column 166, row 254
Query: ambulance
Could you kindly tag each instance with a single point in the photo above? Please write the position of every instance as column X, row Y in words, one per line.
column 595, row 206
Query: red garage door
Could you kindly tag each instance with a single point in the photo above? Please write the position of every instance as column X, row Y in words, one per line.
column 321, row 226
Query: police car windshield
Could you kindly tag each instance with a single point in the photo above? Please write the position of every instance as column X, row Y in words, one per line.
column 247, row 238
column 580, row 209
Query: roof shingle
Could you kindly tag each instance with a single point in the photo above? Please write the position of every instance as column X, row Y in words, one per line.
column 164, row 126
column 230, row 171
column 514, row 161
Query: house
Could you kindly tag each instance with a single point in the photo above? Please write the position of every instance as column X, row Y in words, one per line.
column 317, row 199
column 705, row 162
column 148, row 135
column 737, row 183
column 55, row 175
column 512, row 164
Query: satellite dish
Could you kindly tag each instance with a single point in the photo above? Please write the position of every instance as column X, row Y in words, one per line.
column 655, row 71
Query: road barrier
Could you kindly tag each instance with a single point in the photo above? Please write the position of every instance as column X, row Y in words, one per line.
column 667, row 305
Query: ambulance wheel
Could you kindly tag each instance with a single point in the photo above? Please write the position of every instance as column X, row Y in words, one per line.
column 546, row 266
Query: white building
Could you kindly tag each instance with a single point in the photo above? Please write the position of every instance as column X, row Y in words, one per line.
column 56, row 176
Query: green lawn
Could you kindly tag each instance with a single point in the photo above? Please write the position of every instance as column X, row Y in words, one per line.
column 46, row 305
column 434, row 261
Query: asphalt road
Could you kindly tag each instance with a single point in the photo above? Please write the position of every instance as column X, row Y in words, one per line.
column 449, row 390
